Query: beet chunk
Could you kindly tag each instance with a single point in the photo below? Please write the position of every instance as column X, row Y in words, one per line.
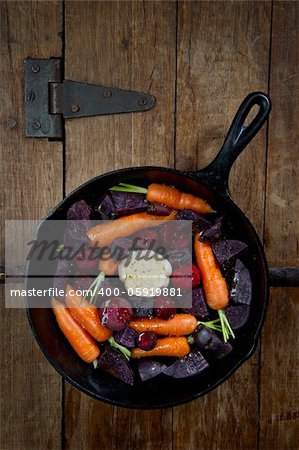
column 128, row 337
column 237, row 315
column 241, row 291
column 106, row 207
column 149, row 369
column 126, row 203
column 227, row 251
column 200, row 221
column 199, row 308
column 179, row 257
column 213, row 232
column 210, row 344
column 192, row 364
column 113, row 362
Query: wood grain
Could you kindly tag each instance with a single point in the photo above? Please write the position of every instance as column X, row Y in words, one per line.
column 279, row 414
column 223, row 50
column 129, row 45
column 30, row 388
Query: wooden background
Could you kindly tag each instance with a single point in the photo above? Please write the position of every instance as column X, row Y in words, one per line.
column 199, row 59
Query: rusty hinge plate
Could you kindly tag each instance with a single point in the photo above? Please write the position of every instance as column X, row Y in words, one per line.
column 49, row 99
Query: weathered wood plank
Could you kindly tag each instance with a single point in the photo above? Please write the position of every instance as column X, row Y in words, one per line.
column 129, row 45
column 223, row 50
column 31, row 389
column 279, row 412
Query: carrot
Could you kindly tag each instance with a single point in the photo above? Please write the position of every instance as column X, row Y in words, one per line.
column 167, row 195
column 104, row 233
column 172, row 197
column 214, row 284
column 168, row 346
column 108, row 265
column 87, row 314
column 178, row 325
column 83, row 344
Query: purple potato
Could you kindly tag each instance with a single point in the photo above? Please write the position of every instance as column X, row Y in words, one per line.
column 61, row 277
column 213, row 232
column 106, row 207
column 241, row 291
column 179, row 257
column 228, row 250
column 158, row 209
column 210, row 344
column 128, row 337
column 120, row 248
column 78, row 217
column 126, row 203
column 143, row 312
column 199, row 308
column 237, row 315
column 192, row 364
column 113, row 362
column 149, row 369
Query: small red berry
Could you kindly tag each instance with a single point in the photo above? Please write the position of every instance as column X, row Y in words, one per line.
column 147, row 340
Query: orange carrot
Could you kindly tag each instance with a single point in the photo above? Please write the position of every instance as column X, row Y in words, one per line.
column 214, row 284
column 168, row 346
column 172, row 197
column 108, row 265
column 103, row 234
column 178, row 325
column 83, row 344
column 87, row 314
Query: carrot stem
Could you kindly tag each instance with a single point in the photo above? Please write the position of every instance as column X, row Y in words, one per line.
column 124, row 187
column 225, row 326
column 125, row 351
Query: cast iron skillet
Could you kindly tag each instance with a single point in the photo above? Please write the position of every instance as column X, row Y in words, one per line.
column 211, row 183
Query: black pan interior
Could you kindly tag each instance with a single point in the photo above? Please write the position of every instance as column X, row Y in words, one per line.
column 161, row 391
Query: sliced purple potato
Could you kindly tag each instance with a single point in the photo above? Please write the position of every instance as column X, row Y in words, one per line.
column 126, row 203
column 158, row 209
column 210, row 344
column 128, row 337
column 192, row 364
column 199, row 308
column 237, row 315
column 142, row 307
column 213, row 232
column 149, row 369
column 113, row 362
column 241, row 291
column 120, row 248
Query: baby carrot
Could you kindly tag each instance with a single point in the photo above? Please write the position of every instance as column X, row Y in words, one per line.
column 83, row 344
column 214, row 284
column 87, row 314
column 168, row 346
column 178, row 325
column 108, row 265
column 167, row 195
column 103, row 234
column 172, row 197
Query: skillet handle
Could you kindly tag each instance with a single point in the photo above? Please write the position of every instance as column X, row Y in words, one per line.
column 216, row 174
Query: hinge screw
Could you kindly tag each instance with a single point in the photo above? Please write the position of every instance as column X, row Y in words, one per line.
column 75, row 108
column 35, row 68
column 107, row 93
column 36, row 125
column 30, row 96
column 142, row 101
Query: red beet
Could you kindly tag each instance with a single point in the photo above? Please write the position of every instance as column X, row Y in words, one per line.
column 86, row 262
column 116, row 313
column 147, row 340
column 164, row 307
column 182, row 278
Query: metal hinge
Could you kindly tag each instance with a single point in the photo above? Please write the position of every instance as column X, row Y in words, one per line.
column 49, row 99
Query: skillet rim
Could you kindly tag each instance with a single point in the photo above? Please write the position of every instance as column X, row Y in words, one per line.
column 195, row 176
